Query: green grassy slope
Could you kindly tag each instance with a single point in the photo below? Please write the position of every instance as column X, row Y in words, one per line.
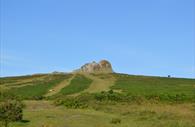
column 38, row 85
column 37, row 88
column 18, row 81
column 128, row 102
column 78, row 84
column 19, row 78
column 146, row 86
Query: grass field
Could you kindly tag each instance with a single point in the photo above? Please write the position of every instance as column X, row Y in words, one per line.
column 39, row 85
column 111, row 100
column 78, row 84
column 37, row 88
column 19, row 78
column 155, row 86
column 44, row 114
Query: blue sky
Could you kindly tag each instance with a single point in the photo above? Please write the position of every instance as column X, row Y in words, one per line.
column 142, row 37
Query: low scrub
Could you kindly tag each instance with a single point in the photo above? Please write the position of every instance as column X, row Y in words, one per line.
column 110, row 97
column 73, row 103
column 115, row 121
column 10, row 111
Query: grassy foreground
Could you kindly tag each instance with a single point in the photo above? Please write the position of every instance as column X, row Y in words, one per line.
column 44, row 114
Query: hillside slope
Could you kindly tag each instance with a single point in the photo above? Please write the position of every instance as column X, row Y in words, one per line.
column 106, row 100
column 34, row 86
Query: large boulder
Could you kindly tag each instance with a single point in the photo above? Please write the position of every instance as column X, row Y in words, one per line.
column 103, row 66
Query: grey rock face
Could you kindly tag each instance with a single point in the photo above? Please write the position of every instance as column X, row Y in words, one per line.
column 102, row 67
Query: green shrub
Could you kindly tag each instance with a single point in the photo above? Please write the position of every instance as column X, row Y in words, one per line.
column 38, row 97
column 110, row 91
column 75, row 104
column 79, row 102
column 115, row 121
column 58, row 102
column 112, row 96
column 10, row 111
column 94, row 99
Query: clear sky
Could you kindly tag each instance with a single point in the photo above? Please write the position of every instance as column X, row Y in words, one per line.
column 142, row 37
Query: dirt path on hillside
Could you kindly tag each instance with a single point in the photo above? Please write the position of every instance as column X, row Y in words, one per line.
column 58, row 87
column 98, row 84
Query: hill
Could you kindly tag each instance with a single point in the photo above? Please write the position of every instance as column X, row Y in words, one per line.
column 102, row 99
column 45, row 85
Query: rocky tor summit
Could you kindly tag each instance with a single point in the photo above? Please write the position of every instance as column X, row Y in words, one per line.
column 103, row 66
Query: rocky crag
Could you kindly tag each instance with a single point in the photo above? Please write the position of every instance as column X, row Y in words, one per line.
column 103, row 66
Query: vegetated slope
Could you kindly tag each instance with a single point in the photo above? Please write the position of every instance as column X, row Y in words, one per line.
column 77, row 84
column 101, row 82
column 19, row 78
column 20, row 81
column 155, row 86
column 105, row 108
column 38, row 88
column 44, row 113
column 57, row 88
column 39, row 85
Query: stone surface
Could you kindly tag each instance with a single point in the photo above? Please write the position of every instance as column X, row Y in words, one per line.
column 103, row 66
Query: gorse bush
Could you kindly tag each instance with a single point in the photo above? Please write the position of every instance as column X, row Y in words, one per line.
column 10, row 111
column 90, row 100
column 73, row 103
column 81, row 101
column 115, row 121
column 176, row 98
column 110, row 96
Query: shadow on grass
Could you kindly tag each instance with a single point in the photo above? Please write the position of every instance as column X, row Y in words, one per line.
column 25, row 121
